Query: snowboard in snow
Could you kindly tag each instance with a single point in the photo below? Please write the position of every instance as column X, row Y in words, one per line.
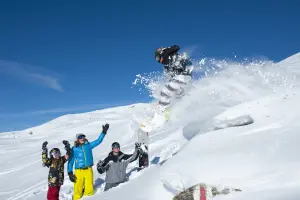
column 143, row 140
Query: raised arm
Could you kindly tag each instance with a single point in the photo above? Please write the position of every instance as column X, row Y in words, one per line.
column 45, row 159
column 98, row 141
column 134, row 156
column 68, row 150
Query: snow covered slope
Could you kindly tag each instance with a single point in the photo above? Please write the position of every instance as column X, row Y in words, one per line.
column 260, row 158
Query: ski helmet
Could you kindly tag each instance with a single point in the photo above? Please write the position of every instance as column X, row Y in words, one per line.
column 158, row 53
column 55, row 152
column 115, row 145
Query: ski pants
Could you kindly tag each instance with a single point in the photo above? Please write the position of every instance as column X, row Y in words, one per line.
column 53, row 193
column 110, row 185
column 84, row 184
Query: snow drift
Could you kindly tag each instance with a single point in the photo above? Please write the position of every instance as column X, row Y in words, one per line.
column 237, row 127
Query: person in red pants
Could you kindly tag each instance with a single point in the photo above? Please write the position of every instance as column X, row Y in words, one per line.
column 53, row 192
column 56, row 168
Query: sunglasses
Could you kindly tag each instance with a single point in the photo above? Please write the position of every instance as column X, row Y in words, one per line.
column 81, row 137
column 115, row 147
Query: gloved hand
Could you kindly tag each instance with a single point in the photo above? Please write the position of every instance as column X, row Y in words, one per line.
column 67, row 146
column 72, row 177
column 138, row 146
column 66, row 143
column 44, row 146
column 105, row 128
column 100, row 168
column 100, row 163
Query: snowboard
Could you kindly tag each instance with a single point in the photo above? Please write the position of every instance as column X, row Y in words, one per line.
column 143, row 141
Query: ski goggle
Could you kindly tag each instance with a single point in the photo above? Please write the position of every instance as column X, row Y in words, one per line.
column 55, row 153
column 116, row 149
column 157, row 58
column 115, row 146
column 81, row 137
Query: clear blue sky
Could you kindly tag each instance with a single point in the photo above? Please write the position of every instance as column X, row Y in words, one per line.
column 58, row 58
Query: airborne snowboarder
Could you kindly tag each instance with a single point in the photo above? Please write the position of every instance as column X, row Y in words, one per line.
column 178, row 75
column 175, row 67
column 174, row 63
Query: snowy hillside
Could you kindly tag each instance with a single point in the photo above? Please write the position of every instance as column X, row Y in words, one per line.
column 260, row 158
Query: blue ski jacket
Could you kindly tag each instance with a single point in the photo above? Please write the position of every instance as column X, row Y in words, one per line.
column 82, row 155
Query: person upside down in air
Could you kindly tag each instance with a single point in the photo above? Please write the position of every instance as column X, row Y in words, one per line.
column 174, row 63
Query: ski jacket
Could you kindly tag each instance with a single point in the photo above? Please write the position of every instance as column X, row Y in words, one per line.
column 56, row 169
column 115, row 166
column 172, row 61
column 82, row 155
column 168, row 53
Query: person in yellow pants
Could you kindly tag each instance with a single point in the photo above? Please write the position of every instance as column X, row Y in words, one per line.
column 84, row 183
column 82, row 156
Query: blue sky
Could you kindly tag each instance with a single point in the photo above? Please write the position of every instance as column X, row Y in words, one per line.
column 58, row 58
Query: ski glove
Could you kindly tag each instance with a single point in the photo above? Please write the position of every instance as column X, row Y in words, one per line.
column 101, row 169
column 138, row 148
column 105, row 128
column 66, row 143
column 137, row 145
column 44, row 146
column 67, row 146
column 72, row 177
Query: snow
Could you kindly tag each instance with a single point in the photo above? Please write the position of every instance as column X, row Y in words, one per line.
column 202, row 142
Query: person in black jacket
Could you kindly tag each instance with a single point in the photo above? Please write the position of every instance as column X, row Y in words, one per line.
column 172, row 60
column 56, row 168
column 115, row 165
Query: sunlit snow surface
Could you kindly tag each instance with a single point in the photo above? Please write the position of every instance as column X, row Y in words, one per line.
column 260, row 158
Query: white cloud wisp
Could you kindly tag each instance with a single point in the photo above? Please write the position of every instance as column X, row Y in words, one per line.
column 30, row 74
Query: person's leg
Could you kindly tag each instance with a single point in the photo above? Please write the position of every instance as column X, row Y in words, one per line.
column 53, row 193
column 49, row 193
column 88, row 182
column 79, row 183
column 110, row 185
column 57, row 191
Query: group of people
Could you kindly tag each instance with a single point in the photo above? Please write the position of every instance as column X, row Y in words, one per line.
column 80, row 156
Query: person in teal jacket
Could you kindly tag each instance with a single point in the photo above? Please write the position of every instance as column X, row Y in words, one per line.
column 82, row 156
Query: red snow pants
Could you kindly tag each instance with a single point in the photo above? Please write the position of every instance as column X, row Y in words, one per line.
column 53, row 193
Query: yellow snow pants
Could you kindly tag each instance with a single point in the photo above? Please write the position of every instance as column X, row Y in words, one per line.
column 84, row 184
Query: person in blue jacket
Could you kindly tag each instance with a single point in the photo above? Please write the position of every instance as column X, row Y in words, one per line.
column 82, row 156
